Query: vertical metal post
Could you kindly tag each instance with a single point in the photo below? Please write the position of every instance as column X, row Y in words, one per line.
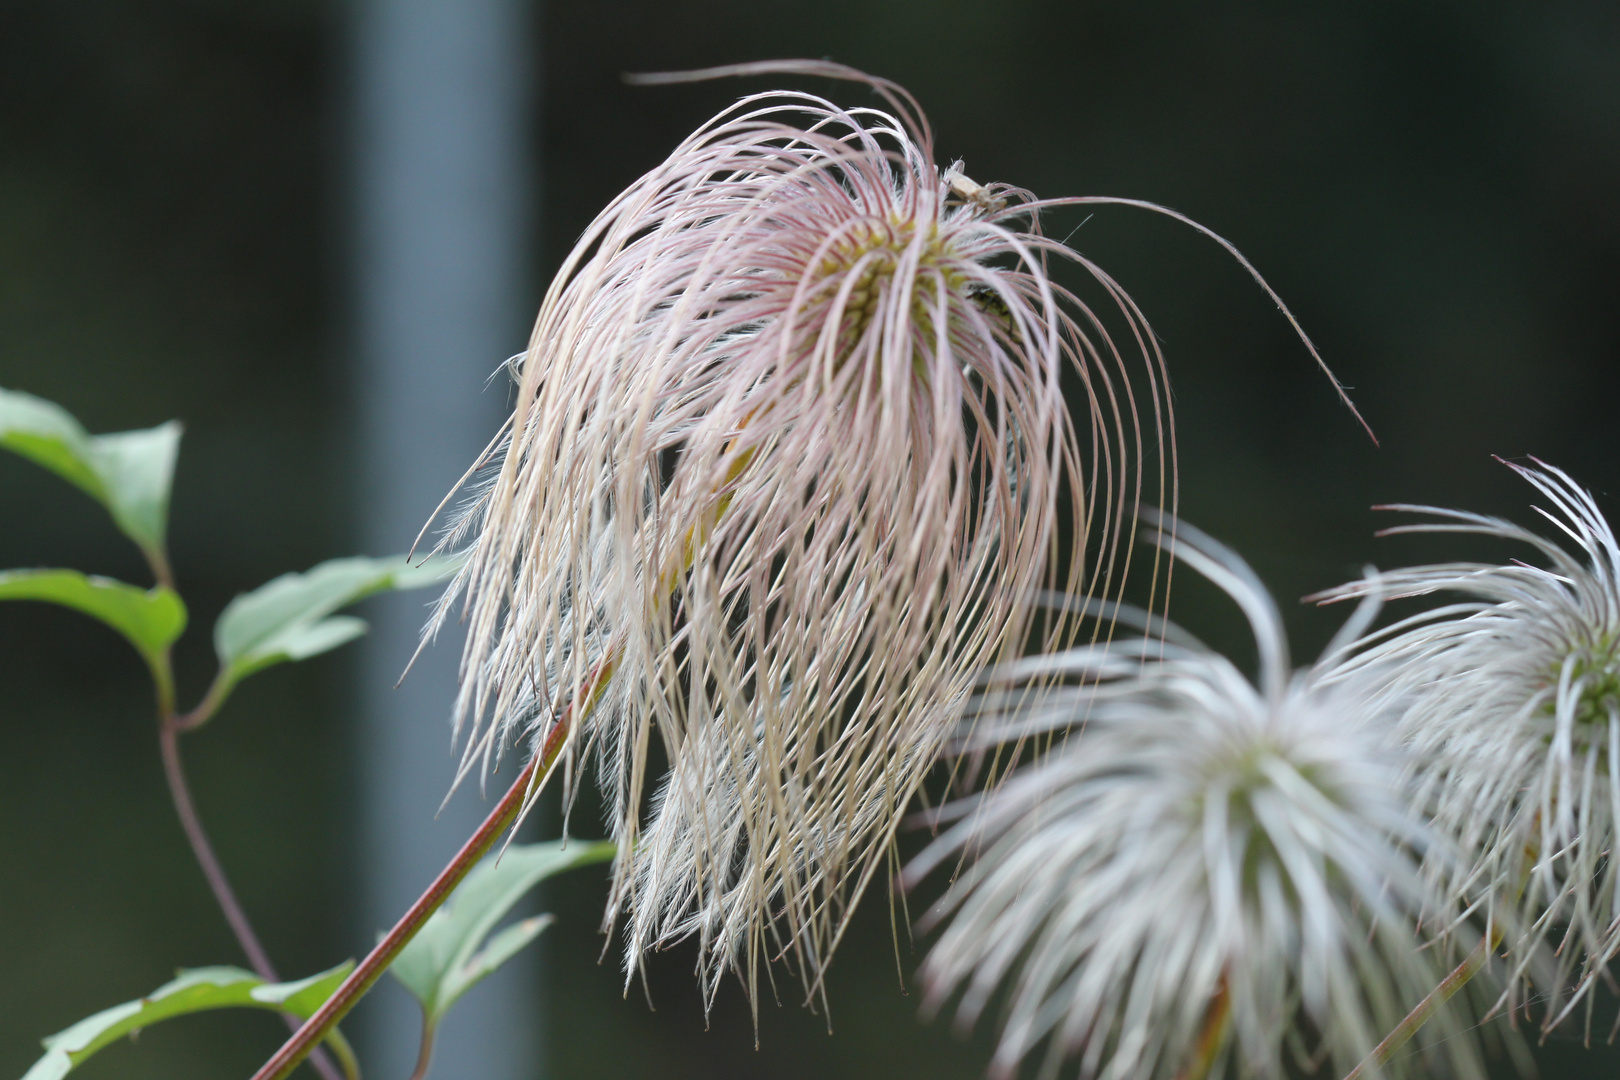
column 442, row 97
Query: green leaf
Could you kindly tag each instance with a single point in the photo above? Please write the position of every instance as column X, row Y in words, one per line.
column 291, row 617
column 137, row 468
column 128, row 472
column 150, row 618
column 47, row 435
column 197, row 990
column 498, row 950
column 445, row 960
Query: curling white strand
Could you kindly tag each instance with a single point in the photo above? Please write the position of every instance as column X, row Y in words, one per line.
column 1510, row 703
column 1204, row 875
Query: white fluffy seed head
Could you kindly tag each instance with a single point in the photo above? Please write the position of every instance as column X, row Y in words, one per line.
column 1510, row 702
column 789, row 456
column 1208, row 877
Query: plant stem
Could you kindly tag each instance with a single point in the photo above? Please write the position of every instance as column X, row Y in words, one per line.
column 424, row 1056
column 376, row 962
column 170, row 725
column 1437, row 997
column 1459, row 978
column 1211, row 1036
column 207, row 707
column 169, row 742
column 158, row 560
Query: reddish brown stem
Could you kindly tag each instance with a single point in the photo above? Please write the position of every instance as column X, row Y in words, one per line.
column 170, row 726
column 186, row 811
column 169, row 740
column 376, row 962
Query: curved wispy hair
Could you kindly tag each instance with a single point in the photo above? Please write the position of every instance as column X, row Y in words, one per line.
column 789, row 456
column 1511, row 706
column 1209, row 876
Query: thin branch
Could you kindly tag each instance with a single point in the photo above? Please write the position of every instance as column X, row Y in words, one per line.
column 169, row 740
column 1426, row 1008
column 170, row 725
column 173, row 771
column 506, row 812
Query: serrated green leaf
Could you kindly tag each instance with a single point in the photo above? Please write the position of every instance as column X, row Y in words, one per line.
column 151, row 619
column 291, row 617
column 197, row 990
column 128, row 472
column 449, row 955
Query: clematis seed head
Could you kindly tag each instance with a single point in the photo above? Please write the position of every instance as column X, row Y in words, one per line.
column 1509, row 699
column 794, row 445
column 1208, row 877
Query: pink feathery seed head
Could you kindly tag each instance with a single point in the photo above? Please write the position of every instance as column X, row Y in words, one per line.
column 789, row 457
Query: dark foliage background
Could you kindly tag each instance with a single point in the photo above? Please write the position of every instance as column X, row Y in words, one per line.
column 1431, row 185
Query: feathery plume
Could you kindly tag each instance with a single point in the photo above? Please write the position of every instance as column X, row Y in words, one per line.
column 789, row 455
column 1510, row 702
column 1209, row 875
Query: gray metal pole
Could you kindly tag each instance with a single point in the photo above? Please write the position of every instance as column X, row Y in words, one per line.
column 443, row 189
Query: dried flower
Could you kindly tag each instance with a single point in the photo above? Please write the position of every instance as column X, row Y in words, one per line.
column 1208, row 875
column 1511, row 706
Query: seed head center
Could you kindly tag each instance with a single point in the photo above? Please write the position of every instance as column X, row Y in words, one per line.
column 1594, row 674
column 874, row 256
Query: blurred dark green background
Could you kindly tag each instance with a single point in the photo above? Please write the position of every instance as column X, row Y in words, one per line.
column 1432, row 187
